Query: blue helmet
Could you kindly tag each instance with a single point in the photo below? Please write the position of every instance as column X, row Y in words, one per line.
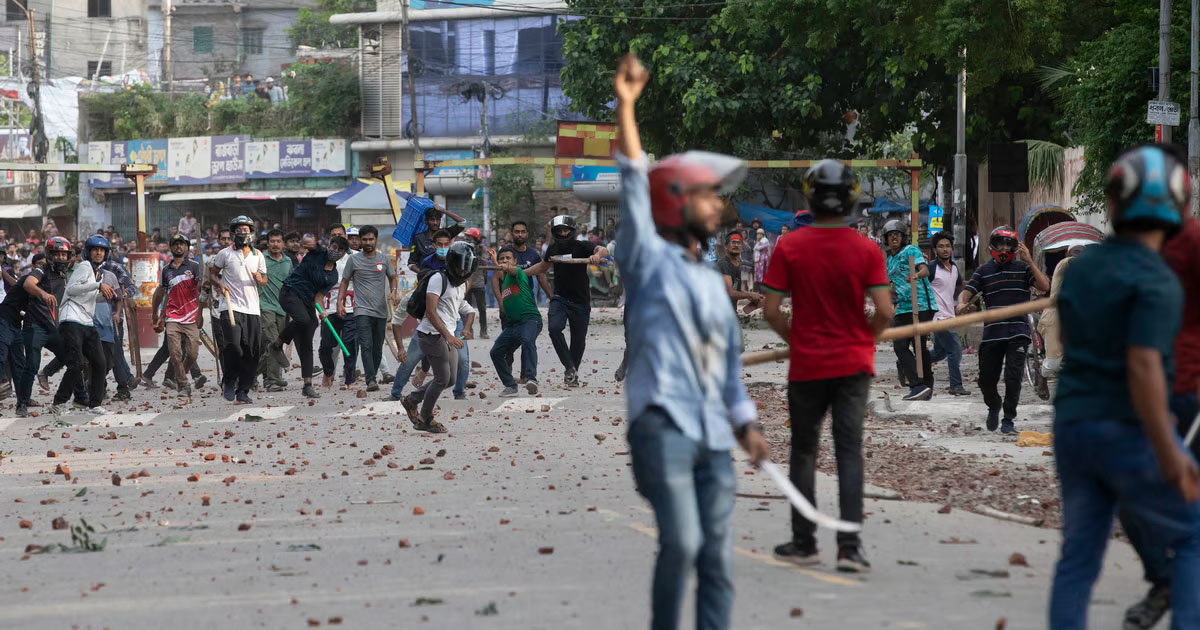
column 1149, row 185
column 95, row 241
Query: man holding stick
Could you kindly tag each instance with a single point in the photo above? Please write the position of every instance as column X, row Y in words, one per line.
column 909, row 275
column 237, row 272
column 1115, row 447
column 686, row 400
column 832, row 349
column 572, row 299
column 1003, row 281
column 302, row 290
column 180, row 285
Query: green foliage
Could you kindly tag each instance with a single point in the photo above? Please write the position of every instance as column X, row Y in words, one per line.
column 323, row 100
column 312, row 27
column 70, row 180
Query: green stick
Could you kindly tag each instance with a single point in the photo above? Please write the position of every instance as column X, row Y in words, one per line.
column 331, row 330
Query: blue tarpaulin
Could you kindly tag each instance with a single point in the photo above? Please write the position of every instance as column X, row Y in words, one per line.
column 887, row 205
column 412, row 220
column 771, row 218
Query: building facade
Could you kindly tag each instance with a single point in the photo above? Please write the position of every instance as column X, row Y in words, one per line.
column 78, row 38
column 220, row 38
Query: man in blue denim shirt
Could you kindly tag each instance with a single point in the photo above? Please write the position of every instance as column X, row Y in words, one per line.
column 686, row 402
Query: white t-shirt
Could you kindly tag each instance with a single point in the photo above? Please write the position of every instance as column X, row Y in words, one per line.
column 331, row 295
column 237, row 273
column 943, row 283
column 451, row 306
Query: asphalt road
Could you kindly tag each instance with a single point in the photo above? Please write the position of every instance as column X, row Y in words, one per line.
column 523, row 516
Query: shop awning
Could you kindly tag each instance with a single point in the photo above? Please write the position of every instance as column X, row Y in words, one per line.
column 373, row 197
column 346, row 193
column 23, row 210
column 250, row 195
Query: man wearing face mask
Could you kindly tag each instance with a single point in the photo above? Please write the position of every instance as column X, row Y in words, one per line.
column 302, row 289
column 339, row 309
column 77, row 330
column 571, row 301
column 180, row 284
column 44, row 286
column 237, row 272
column 445, row 303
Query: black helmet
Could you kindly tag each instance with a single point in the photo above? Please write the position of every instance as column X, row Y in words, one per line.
column 831, row 187
column 460, row 262
column 895, row 225
column 563, row 221
column 179, row 238
column 241, row 240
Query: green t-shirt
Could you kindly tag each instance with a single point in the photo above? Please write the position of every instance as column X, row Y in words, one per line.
column 277, row 272
column 517, row 296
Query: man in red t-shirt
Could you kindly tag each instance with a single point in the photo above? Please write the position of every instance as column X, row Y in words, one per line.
column 828, row 269
column 1183, row 256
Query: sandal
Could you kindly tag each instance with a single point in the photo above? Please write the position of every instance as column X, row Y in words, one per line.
column 430, row 426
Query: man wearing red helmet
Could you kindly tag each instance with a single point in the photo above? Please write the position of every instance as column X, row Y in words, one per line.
column 1004, row 280
column 686, row 402
column 45, row 286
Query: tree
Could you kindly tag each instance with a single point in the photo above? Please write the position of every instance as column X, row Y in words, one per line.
column 312, row 27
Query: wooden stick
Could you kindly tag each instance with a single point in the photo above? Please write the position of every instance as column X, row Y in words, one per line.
column 912, row 284
column 1009, row 516
column 568, row 261
column 923, row 328
column 229, row 308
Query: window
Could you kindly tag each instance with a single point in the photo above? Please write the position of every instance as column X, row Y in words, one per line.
column 202, row 40
column 15, row 10
column 252, row 41
column 489, row 53
column 99, row 8
column 105, row 68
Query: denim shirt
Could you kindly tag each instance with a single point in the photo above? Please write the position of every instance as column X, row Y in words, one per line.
column 684, row 340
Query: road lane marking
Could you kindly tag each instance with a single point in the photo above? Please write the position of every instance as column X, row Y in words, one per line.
column 380, row 408
column 519, row 405
column 267, row 413
column 124, row 419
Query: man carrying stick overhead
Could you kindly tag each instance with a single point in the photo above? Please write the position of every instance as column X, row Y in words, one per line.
column 686, row 402
column 829, row 270
column 1003, row 281
column 1114, row 443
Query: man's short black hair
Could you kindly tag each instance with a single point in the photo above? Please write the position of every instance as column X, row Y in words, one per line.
column 291, row 236
column 938, row 237
column 516, row 223
column 340, row 242
column 368, row 229
column 226, row 231
column 507, row 250
column 442, row 234
column 329, row 230
column 278, row 233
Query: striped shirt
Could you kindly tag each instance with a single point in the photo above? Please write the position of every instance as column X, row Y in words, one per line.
column 1003, row 286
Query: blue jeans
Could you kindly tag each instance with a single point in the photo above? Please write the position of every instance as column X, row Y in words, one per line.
column 946, row 346
column 404, row 372
column 346, row 329
column 691, row 490
column 370, row 331
column 1150, row 547
column 36, row 337
column 1104, row 464
column 563, row 311
column 12, row 350
column 521, row 335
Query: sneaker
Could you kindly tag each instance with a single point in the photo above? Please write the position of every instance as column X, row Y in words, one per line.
column 199, row 382
column 22, row 411
column 851, row 560
column 58, row 410
column 170, row 383
column 1007, row 428
column 308, row 391
column 959, row 391
column 243, row 398
column 95, row 411
column 460, row 396
column 920, row 392
column 531, row 388
column 386, row 378
column 1146, row 613
column 149, row 383
column 276, row 387
column 993, row 419
column 185, row 392
column 418, row 377
column 799, row 554
column 75, row 404
column 123, row 394
column 520, row 381
column 372, row 386
column 509, row 392
column 43, row 382
column 230, row 392
column 572, row 378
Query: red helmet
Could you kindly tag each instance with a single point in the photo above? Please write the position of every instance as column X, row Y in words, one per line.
column 677, row 175
column 1003, row 235
column 474, row 233
column 54, row 245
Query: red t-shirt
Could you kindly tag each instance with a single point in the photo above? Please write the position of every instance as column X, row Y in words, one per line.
column 1183, row 255
column 827, row 271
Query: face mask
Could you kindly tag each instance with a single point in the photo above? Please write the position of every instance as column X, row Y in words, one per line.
column 442, row 251
column 334, row 254
column 241, row 240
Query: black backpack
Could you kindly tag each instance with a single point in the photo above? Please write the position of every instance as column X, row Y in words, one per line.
column 416, row 299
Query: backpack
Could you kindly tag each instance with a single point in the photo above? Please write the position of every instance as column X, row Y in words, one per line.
column 416, row 299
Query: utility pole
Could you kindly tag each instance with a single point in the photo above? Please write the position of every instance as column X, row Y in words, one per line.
column 1193, row 116
column 412, row 90
column 168, row 74
column 1164, row 60
column 37, row 128
column 48, row 49
column 959, row 200
column 483, row 152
